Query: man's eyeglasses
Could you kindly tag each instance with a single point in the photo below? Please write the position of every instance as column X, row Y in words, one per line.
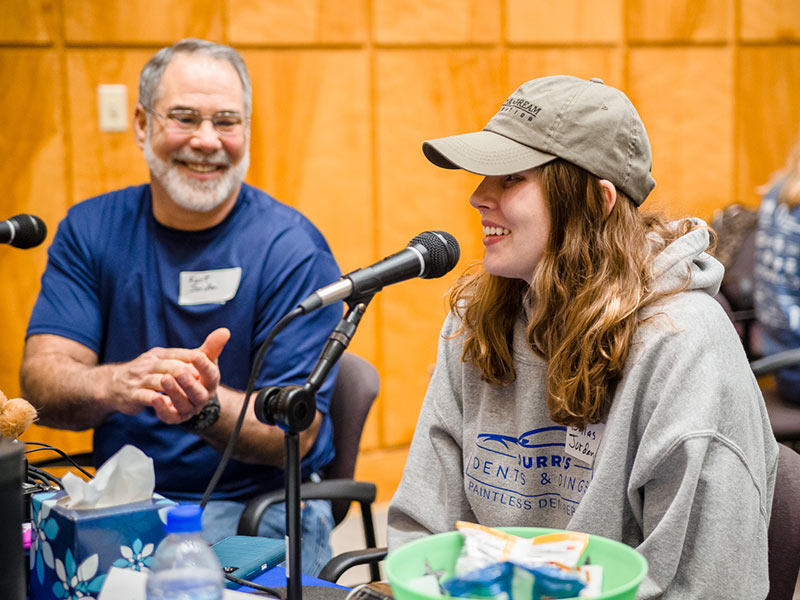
column 187, row 120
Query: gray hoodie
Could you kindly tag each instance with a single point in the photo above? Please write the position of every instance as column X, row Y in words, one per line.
column 685, row 466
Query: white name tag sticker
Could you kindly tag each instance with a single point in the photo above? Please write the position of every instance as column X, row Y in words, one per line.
column 583, row 445
column 208, row 287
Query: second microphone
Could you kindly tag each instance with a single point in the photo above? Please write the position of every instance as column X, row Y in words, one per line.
column 429, row 255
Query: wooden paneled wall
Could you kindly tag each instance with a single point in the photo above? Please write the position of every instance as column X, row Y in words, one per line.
column 345, row 91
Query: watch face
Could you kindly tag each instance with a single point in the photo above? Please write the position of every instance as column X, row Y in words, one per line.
column 206, row 417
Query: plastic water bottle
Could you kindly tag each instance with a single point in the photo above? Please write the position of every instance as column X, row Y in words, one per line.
column 184, row 566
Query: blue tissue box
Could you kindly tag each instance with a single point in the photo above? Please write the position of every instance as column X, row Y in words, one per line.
column 73, row 549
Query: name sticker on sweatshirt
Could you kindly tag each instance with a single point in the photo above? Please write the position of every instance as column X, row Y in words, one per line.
column 208, row 287
column 583, row 445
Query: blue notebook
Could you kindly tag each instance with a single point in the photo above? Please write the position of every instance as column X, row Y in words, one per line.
column 246, row 556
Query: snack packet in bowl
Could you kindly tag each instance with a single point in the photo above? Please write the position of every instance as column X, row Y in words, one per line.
column 507, row 581
column 484, row 546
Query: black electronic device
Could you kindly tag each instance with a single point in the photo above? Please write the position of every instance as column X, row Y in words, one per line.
column 246, row 556
column 12, row 572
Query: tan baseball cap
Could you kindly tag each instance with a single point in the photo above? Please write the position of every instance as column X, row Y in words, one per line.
column 587, row 123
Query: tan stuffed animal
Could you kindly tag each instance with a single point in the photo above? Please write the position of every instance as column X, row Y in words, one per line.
column 16, row 415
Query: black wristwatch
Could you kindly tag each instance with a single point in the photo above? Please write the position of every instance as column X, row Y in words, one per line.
column 205, row 418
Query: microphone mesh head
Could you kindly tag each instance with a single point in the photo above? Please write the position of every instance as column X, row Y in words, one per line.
column 442, row 253
column 30, row 231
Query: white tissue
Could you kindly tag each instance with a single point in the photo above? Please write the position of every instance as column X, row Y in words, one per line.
column 126, row 477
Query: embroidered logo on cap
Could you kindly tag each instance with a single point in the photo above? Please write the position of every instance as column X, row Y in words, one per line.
column 521, row 108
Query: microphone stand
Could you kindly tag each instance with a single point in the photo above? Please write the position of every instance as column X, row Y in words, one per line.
column 293, row 408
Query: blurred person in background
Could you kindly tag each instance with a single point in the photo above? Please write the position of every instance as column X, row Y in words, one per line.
column 777, row 270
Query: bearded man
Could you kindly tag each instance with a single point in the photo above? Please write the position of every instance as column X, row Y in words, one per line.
column 156, row 298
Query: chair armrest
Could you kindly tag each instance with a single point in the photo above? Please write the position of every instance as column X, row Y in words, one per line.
column 336, row 566
column 332, row 489
column 738, row 316
column 773, row 362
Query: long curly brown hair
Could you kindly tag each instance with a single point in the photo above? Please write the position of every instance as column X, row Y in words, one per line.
column 584, row 298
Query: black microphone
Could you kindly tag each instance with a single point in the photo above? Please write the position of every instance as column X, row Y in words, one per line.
column 429, row 255
column 23, row 231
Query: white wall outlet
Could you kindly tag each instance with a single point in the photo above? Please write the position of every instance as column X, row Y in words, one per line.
column 112, row 106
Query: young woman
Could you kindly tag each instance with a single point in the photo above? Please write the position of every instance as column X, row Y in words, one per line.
column 586, row 378
column 777, row 290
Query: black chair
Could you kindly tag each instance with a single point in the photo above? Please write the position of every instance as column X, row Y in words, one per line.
column 738, row 289
column 357, row 385
column 784, row 416
column 784, row 527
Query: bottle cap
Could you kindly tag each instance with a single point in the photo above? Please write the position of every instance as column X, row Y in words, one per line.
column 185, row 518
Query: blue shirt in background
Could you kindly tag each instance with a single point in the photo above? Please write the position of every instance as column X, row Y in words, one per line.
column 777, row 284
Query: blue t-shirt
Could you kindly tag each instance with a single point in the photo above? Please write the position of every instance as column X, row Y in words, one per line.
column 777, row 283
column 120, row 283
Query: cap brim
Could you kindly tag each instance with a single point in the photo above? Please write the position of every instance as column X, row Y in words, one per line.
column 484, row 153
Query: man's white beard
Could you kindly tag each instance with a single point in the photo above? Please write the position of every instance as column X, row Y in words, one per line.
column 190, row 193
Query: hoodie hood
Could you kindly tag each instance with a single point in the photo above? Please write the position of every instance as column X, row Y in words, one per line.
column 685, row 258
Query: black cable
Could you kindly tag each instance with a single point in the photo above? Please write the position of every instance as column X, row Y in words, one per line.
column 43, row 475
column 251, row 383
column 34, row 479
column 66, row 456
column 256, row 586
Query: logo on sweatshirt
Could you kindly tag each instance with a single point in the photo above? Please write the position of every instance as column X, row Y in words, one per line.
column 528, row 472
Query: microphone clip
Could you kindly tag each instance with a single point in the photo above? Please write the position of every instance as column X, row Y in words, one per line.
column 292, row 407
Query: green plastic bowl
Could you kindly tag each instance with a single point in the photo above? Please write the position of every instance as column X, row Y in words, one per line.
column 623, row 567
